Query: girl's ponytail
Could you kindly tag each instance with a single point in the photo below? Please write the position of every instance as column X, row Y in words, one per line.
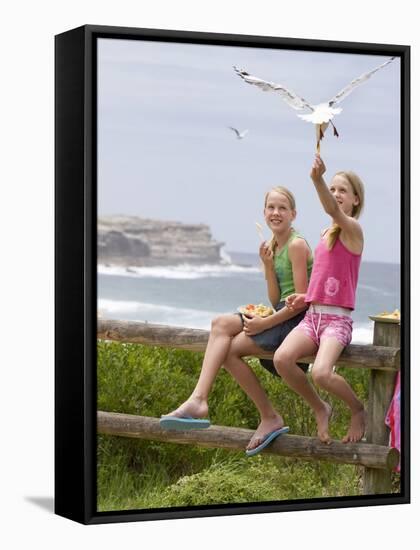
column 333, row 236
column 272, row 244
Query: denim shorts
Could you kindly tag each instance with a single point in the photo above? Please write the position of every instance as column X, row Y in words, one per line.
column 270, row 339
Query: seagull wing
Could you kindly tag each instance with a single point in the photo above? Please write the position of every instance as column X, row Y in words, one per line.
column 356, row 82
column 290, row 97
column 235, row 130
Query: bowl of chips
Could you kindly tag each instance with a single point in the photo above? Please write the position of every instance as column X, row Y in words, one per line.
column 387, row 317
column 259, row 310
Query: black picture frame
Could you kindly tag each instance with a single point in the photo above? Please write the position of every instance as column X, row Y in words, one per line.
column 76, row 264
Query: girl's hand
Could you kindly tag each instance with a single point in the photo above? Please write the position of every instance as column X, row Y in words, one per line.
column 266, row 254
column 318, row 168
column 295, row 301
column 254, row 325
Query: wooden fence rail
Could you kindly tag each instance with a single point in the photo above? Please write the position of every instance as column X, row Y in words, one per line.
column 224, row 437
column 356, row 356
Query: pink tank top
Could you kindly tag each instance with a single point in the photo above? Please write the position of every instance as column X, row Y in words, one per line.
column 334, row 276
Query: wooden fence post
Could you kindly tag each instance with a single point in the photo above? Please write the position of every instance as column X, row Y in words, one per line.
column 381, row 387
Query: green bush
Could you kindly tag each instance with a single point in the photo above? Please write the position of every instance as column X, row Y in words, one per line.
column 259, row 480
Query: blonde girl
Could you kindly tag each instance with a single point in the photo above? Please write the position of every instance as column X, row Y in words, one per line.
column 327, row 326
column 287, row 262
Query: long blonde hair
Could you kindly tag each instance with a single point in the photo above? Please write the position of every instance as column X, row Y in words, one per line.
column 292, row 202
column 359, row 190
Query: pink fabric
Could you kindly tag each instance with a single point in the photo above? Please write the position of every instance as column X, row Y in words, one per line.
column 334, row 276
column 392, row 419
column 326, row 325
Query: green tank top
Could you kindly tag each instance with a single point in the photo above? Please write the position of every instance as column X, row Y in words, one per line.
column 283, row 268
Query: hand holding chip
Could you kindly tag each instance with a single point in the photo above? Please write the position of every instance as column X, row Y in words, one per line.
column 266, row 254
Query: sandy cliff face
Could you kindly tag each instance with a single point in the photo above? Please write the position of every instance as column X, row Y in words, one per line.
column 128, row 240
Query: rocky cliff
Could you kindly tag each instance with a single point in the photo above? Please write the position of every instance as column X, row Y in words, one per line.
column 128, row 240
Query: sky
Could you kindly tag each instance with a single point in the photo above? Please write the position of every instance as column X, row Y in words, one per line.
column 165, row 150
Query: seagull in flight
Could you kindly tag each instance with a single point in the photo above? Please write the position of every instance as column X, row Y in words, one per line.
column 321, row 114
column 239, row 135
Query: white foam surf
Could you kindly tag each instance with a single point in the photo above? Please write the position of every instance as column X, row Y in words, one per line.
column 362, row 333
column 154, row 313
column 183, row 271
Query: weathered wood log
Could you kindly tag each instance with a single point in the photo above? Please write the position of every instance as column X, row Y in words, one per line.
column 381, row 387
column 306, row 448
column 377, row 357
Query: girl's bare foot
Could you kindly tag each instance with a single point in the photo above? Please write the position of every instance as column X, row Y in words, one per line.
column 266, row 426
column 193, row 407
column 357, row 427
column 322, row 420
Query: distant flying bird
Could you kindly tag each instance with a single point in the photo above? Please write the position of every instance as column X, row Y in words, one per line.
column 322, row 113
column 239, row 135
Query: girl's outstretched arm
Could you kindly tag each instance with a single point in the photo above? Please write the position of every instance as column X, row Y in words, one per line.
column 350, row 226
column 327, row 200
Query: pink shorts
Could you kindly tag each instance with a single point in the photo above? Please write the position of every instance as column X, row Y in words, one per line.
column 326, row 325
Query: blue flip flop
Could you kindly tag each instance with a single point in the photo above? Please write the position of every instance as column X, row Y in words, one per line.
column 170, row 422
column 268, row 438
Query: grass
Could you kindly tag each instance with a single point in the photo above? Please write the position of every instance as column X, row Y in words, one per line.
column 140, row 474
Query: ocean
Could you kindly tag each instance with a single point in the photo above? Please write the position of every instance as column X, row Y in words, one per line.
column 191, row 295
